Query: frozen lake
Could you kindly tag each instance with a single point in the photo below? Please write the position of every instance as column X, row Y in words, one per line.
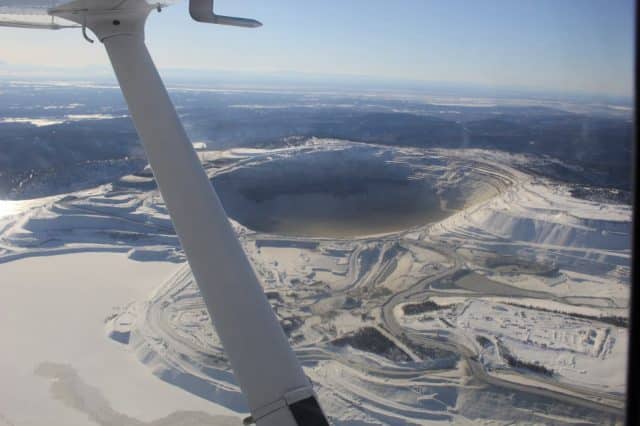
column 52, row 322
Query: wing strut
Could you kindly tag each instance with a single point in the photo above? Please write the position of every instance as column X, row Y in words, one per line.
column 277, row 390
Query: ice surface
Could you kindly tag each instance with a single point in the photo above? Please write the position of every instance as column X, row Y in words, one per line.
column 53, row 311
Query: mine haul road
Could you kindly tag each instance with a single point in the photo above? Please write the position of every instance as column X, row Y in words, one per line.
column 422, row 289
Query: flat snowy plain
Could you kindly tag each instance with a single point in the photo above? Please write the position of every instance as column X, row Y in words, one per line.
column 57, row 362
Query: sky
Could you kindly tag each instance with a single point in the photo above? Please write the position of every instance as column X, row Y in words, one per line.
column 557, row 45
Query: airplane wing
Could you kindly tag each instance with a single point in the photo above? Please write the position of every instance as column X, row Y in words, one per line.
column 45, row 14
column 18, row 23
column 31, row 14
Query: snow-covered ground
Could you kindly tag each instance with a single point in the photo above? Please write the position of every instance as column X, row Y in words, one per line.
column 96, row 298
column 57, row 364
column 539, row 220
column 573, row 349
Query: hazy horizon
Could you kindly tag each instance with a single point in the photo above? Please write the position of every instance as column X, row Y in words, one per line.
column 542, row 46
column 307, row 81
